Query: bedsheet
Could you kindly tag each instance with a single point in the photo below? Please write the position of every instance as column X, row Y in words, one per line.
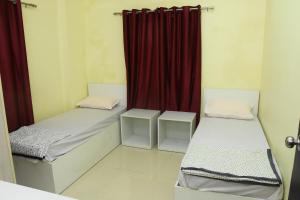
column 79, row 124
column 228, row 134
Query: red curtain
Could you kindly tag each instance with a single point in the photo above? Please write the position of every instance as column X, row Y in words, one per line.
column 13, row 66
column 163, row 58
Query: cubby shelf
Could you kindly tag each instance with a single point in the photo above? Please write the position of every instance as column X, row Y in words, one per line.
column 139, row 128
column 175, row 130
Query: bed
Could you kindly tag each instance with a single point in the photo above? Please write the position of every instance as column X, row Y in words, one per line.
column 93, row 134
column 237, row 135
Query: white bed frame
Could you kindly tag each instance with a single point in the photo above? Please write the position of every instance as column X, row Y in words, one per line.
column 248, row 96
column 56, row 176
column 183, row 193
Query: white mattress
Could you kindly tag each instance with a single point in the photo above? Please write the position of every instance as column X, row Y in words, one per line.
column 81, row 123
column 228, row 133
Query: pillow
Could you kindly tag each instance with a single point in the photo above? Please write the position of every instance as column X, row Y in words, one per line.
column 106, row 103
column 228, row 109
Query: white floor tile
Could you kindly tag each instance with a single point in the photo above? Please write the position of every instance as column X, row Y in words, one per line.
column 129, row 174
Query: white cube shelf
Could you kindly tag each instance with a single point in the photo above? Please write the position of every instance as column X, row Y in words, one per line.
column 139, row 128
column 175, row 130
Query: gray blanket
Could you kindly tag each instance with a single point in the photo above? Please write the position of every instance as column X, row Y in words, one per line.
column 34, row 142
column 237, row 165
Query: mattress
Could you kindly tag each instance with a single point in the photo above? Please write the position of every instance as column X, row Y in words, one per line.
column 80, row 123
column 228, row 133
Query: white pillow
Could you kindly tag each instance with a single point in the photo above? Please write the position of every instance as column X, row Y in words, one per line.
column 228, row 109
column 103, row 102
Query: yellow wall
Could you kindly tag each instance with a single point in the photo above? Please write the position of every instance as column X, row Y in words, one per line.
column 73, row 42
column 55, row 40
column 280, row 91
column 232, row 40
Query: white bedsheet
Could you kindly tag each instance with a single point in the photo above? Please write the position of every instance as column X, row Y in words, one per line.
column 81, row 123
column 229, row 133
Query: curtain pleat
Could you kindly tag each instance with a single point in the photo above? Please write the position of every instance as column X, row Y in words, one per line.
column 13, row 66
column 163, row 58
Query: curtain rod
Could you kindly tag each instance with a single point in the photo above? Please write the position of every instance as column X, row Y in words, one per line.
column 25, row 4
column 203, row 8
column 29, row 5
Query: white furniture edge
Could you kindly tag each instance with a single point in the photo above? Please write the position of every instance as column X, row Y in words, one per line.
column 116, row 90
column 191, row 132
column 182, row 193
column 56, row 176
column 251, row 97
column 7, row 172
column 152, row 128
column 11, row 191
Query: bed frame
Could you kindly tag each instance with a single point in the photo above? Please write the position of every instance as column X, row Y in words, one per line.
column 57, row 175
column 249, row 96
column 183, row 193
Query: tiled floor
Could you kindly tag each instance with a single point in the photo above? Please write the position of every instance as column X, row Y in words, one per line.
column 129, row 174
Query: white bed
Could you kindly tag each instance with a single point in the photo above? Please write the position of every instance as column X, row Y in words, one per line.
column 227, row 133
column 94, row 133
column 81, row 123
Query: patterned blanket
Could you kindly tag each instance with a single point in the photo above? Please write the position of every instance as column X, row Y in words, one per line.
column 246, row 166
column 34, row 142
